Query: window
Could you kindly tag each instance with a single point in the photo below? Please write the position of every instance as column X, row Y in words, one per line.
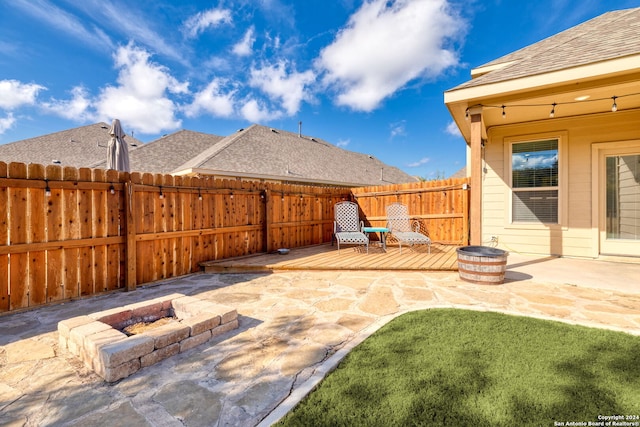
column 534, row 181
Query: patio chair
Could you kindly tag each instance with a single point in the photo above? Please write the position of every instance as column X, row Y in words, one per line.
column 347, row 227
column 399, row 225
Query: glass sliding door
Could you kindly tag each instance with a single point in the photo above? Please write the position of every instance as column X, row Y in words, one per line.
column 620, row 233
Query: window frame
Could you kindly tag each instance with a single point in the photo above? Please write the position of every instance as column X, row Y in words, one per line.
column 562, row 186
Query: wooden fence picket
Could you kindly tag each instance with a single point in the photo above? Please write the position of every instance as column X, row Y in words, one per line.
column 4, row 236
column 96, row 231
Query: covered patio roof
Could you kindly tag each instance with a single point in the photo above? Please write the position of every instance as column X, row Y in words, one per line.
column 580, row 70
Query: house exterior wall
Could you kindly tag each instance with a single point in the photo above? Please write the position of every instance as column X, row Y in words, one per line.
column 575, row 234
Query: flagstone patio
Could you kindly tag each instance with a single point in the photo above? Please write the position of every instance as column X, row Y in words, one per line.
column 294, row 327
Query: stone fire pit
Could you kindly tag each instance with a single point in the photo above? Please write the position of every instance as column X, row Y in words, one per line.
column 97, row 339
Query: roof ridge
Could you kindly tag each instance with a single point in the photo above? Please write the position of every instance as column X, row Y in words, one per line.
column 212, row 151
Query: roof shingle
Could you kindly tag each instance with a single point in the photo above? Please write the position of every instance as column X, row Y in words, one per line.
column 611, row 35
column 84, row 146
column 258, row 151
column 266, row 152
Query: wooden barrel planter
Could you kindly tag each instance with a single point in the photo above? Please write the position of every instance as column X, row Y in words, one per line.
column 482, row 265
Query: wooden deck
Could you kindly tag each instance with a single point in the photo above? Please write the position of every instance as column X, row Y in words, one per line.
column 327, row 257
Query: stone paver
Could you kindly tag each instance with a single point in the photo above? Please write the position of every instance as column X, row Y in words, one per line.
column 293, row 327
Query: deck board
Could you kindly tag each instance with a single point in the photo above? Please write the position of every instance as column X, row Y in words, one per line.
column 327, row 257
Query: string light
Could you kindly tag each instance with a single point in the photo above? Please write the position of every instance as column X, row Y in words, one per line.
column 199, row 195
column 112, row 189
column 614, row 106
column 47, row 190
column 161, row 196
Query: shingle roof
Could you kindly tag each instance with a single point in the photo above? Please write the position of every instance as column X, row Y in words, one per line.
column 271, row 153
column 258, row 151
column 612, row 35
column 167, row 153
column 85, row 146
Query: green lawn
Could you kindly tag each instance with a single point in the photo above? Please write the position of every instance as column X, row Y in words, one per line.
column 464, row 368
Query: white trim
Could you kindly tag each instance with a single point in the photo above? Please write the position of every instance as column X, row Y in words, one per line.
column 479, row 71
column 598, row 189
column 563, row 180
column 598, row 70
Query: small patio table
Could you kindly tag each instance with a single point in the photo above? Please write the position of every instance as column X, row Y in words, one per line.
column 383, row 234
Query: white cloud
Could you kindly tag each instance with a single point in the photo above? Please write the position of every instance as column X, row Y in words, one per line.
column 398, row 129
column 136, row 26
column 256, row 113
column 77, row 108
column 212, row 100
column 422, row 161
column 452, row 129
column 385, row 45
column 140, row 100
column 343, row 143
column 54, row 16
column 245, row 46
column 6, row 123
column 540, row 160
column 199, row 22
column 14, row 93
column 290, row 89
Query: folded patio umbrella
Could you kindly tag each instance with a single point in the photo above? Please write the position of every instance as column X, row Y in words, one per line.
column 117, row 152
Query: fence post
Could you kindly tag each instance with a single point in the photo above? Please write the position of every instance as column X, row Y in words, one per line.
column 268, row 220
column 130, row 250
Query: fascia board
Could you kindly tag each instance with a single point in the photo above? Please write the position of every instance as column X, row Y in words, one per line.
column 587, row 72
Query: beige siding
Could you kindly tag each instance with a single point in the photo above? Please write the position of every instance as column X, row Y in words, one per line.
column 575, row 236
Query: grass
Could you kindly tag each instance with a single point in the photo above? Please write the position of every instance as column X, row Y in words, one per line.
column 460, row 368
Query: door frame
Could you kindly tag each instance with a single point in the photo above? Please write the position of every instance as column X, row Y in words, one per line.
column 599, row 152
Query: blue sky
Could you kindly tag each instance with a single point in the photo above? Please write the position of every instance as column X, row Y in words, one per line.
column 368, row 76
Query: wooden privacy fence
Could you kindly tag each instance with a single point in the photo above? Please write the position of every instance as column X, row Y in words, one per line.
column 440, row 207
column 67, row 233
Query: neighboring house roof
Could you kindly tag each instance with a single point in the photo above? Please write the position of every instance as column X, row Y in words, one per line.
column 257, row 152
column 612, row 35
column 461, row 173
column 268, row 153
column 169, row 152
column 85, row 146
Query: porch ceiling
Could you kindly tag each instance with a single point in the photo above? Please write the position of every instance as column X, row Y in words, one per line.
column 533, row 105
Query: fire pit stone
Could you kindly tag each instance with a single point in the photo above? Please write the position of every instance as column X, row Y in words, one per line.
column 97, row 339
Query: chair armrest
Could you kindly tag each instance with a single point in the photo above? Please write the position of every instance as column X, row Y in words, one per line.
column 335, row 227
column 362, row 226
